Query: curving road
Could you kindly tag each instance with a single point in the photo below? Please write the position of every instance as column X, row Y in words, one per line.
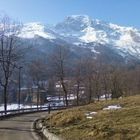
column 19, row 128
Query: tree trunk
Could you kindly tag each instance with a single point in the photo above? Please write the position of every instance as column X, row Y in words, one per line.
column 5, row 99
column 90, row 91
column 37, row 97
column 65, row 91
column 98, row 96
column 77, row 94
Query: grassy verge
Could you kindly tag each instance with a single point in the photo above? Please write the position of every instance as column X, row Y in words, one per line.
column 121, row 124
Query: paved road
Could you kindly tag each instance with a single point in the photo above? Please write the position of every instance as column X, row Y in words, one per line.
column 19, row 128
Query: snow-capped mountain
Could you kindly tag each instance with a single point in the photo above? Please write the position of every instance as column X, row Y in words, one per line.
column 82, row 31
column 32, row 30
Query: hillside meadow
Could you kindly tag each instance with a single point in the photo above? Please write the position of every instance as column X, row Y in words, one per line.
column 93, row 122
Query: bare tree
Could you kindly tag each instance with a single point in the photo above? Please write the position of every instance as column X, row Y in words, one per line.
column 59, row 62
column 117, row 82
column 9, row 52
column 78, row 76
column 88, row 74
column 106, row 80
column 37, row 70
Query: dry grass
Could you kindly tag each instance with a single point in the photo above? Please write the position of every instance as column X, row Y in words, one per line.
column 122, row 124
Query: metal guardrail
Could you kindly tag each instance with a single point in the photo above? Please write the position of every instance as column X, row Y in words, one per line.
column 28, row 110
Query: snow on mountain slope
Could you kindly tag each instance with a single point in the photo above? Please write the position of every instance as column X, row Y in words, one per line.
column 31, row 30
column 91, row 35
column 128, row 41
column 81, row 30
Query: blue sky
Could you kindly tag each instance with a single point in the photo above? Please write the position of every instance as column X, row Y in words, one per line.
column 122, row 12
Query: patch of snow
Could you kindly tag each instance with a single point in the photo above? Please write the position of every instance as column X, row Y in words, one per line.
column 92, row 35
column 87, row 114
column 115, row 26
column 104, row 96
column 93, row 50
column 58, row 86
column 125, row 40
column 77, row 43
column 98, row 21
column 61, row 103
column 89, row 117
column 15, row 106
column 61, row 98
column 71, row 97
column 92, row 113
column 112, row 107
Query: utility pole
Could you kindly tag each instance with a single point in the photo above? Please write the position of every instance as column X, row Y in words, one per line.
column 19, row 85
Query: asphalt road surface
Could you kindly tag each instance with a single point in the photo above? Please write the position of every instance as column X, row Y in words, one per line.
column 20, row 127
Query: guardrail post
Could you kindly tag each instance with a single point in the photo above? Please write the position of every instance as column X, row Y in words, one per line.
column 49, row 109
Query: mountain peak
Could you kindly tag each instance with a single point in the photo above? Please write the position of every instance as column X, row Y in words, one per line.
column 78, row 17
column 33, row 29
column 82, row 19
column 74, row 23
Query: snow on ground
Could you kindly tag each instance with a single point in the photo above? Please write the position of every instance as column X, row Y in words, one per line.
column 58, row 103
column 112, row 107
column 90, row 115
column 15, row 106
column 61, row 98
column 53, row 101
column 104, row 96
